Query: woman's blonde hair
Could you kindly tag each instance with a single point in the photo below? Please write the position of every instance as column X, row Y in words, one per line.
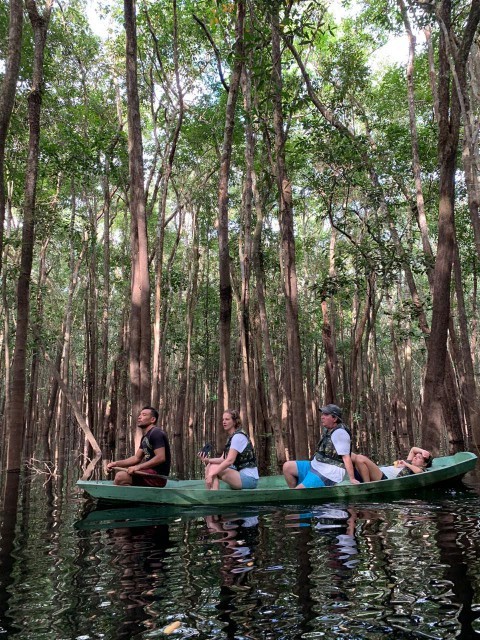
column 235, row 417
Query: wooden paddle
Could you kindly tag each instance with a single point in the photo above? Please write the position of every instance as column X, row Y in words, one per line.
column 143, row 473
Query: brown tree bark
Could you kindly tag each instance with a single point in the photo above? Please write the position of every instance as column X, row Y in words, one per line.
column 16, row 405
column 140, row 328
column 105, row 300
column 288, row 247
column 398, row 393
column 417, row 173
column 158, row 382
column 7, row 97
column 245, row 255
column 223, row 243
column 185, row 445
column 91, row 328
column 273, row 392
column 33, row 401
column 470, row 395
column 63, row 353
column 331, row 362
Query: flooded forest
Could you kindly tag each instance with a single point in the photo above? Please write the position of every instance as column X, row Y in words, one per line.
column 250, row 204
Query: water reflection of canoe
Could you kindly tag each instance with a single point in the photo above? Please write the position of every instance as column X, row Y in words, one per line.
column 272, row 489
column 150, row 515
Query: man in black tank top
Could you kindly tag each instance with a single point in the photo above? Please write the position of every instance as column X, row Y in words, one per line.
column 151, row 463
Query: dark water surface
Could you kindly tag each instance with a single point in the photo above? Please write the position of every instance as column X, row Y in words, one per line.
column 405, row 569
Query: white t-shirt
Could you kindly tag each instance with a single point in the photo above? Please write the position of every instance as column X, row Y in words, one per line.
column 239, row 442
column 341, row 442
column 391, row 471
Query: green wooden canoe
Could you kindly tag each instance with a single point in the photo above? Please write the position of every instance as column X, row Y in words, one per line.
column 273, row 490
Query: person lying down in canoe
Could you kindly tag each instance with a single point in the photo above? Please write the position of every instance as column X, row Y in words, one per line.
column 418, row 461
column 238, row 465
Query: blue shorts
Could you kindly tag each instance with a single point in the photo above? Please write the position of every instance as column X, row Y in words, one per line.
column 307, row 476
column 247, row 481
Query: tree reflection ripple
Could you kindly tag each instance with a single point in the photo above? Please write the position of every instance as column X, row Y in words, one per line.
column 407, row 569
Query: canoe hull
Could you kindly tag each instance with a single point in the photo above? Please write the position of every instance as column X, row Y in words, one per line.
column 273, row 490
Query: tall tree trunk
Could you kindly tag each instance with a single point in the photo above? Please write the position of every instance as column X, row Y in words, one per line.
column 273, row 394
column 358, row 331
column 331, row 362
column 470, row 394
column 449, row 98
column 105, row 296
column 33, row 400
column 223, row 245
column 140, row 328
column 158, row 382
column 417, row 173
column 16, row 404
column 288, row 248
column 398, row 396
column 184, row 385
column 7, row 97
column 245, row 252
column 91, row 320
column 63, row 351
column 470, row 154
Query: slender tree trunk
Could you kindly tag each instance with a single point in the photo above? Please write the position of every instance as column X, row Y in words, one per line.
column 246, row 257
column 184, row 386
column 358, row 333
column 166, row 308
column 398, row 398
column 91, row 332
column 158, row 382
column 16, row 405
column 473, row 340
column 7, row 96
column 420, row 208
column 470, row 395
column 409, row 386
column 105, row 297
column 288, row 248
column 33, row 400
column 62, row 358
column 140, row 329
column 331, row 362
column 273, row 394
column 223, row 245
column 431, row 70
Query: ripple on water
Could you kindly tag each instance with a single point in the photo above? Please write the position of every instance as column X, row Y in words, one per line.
column 337, row 571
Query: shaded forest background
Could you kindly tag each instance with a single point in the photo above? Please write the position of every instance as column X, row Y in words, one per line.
column 228, row 204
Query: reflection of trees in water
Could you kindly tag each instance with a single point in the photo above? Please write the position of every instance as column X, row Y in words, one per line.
column 141, row 574
column 235, row 538
column 458, row 538
column 120, row 577
column 8, row 509
column 393, row 570
column 375, row 571
column 19, row 525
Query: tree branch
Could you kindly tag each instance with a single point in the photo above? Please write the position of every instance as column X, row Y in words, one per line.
column 216, row 51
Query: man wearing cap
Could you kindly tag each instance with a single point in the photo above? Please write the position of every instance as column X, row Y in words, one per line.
column 332, row 457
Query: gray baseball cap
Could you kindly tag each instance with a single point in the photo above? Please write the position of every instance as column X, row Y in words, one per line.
column 332, row 410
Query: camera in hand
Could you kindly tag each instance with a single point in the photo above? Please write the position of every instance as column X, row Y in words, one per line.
column 206, row 449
